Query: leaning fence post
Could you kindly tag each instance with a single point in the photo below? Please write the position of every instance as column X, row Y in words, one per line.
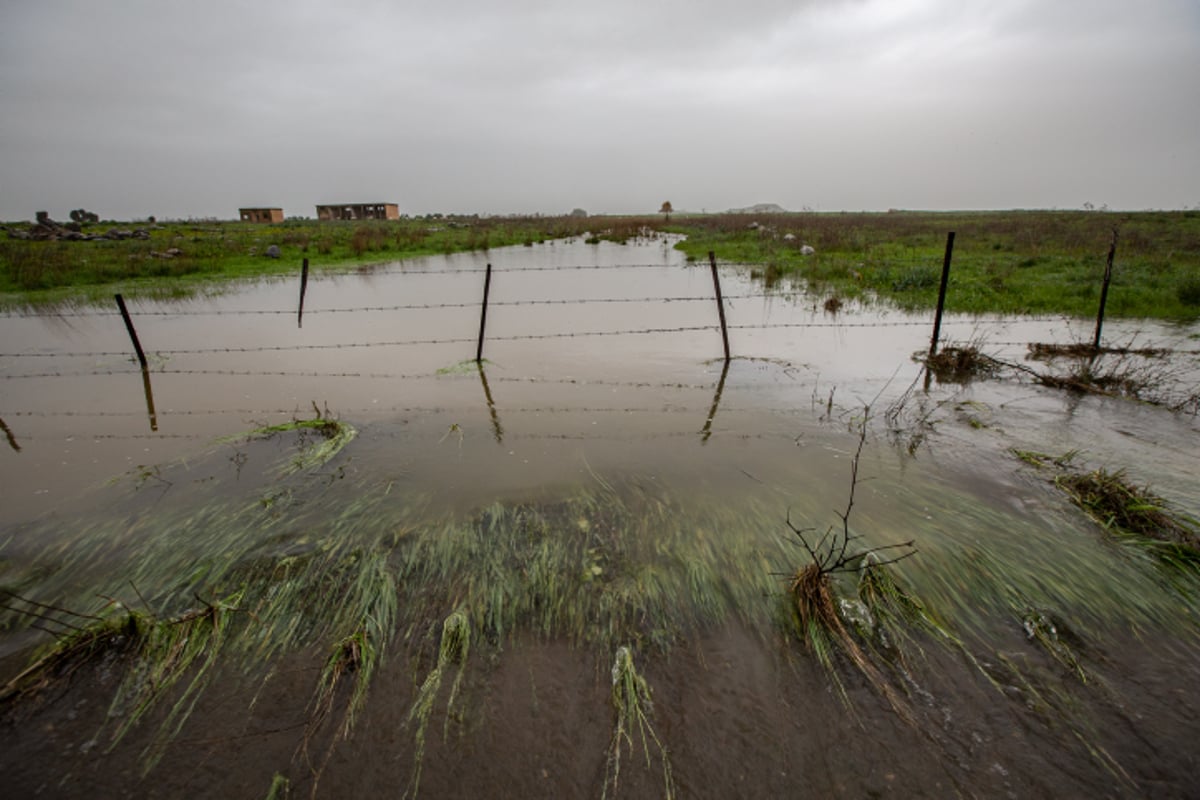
column 149, row 400
column 941, row 303
column 487, row 285
column 303, row 288
column 1112, row 252
column 712, row 260
column 132, row 333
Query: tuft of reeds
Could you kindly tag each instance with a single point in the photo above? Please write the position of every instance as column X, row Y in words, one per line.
column 1049, row 632
column 453, row 649
column 1136, row 515
column 321, row 438
column 371, row 594
column 281, row 788
column 961, row 364
column 158, row 654
column 819, row 616
column 631, row 706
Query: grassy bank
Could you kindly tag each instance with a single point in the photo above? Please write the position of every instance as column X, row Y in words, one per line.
column 182, row 258
column 1019, row 262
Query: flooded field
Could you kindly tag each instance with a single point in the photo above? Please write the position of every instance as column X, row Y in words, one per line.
column 342, row 559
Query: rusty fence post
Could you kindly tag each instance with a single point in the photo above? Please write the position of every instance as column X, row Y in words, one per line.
column 132, row 333
column 941, row 302
column 712, row 260
column 487, row 286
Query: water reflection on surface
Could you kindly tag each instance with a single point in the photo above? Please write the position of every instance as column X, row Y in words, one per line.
column 648, row 413
column 74, row 405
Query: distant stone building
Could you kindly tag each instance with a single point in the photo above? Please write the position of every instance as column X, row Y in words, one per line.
column 359, row 211
column 261, row 214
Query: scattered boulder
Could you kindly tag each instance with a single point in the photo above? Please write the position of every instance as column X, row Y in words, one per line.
column 46, row 229
column 789, row 237
column 806, row 250
column 272, row 251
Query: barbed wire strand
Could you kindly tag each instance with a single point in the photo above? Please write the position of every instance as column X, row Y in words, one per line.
column 509, row 337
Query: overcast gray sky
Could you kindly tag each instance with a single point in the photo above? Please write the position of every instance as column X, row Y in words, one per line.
column 181, row 109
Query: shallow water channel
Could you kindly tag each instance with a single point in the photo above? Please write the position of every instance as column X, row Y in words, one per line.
column 563, row 571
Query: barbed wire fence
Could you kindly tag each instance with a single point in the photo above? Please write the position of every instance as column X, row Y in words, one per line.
column 718, row 323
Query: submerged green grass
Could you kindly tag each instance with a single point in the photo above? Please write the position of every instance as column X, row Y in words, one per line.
column 341, row 573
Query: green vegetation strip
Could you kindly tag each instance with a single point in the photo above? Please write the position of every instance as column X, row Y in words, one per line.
column 180, row 259
column 1018, row 262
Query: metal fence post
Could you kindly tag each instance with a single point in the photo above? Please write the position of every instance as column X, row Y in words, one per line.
column 941, row 302
column 712, row 260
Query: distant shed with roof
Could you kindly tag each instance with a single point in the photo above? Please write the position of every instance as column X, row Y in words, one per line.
column 260, row 214
column 359, row 211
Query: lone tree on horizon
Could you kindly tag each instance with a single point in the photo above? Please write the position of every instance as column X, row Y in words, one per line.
column 666, row 211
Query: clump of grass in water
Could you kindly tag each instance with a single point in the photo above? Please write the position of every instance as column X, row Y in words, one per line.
column 332, row 436
column 1049, row 632
column 1136, row 515
column 631, row 703
column 453, row 650
column 159, row 652
column 372, row 598
column 117, row 633
column 961, row 363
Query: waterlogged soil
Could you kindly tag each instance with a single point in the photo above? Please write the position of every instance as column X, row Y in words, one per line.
column 665, row 480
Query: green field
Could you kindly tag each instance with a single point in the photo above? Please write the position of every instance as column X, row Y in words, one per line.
column 1020, row 262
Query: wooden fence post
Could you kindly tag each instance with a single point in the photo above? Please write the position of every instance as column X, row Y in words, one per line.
column 303, row 288
column 712, row 260
column 487, row 285
column 137, row 346
column 941, row 303
column 1108, row 269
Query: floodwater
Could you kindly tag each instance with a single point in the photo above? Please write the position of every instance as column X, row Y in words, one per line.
column 605, row 420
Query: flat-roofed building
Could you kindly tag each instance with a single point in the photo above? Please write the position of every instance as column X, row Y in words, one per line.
column 359, row 211
column 261, row 214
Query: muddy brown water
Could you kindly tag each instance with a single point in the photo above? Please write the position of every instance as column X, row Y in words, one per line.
column 739, row 708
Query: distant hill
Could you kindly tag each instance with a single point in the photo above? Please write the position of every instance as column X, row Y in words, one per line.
column 760, row 208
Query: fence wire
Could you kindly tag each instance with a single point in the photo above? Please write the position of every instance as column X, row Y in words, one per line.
column 504, row 338
column 291, row 312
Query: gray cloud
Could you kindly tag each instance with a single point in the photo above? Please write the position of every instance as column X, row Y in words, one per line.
column 541, row 106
